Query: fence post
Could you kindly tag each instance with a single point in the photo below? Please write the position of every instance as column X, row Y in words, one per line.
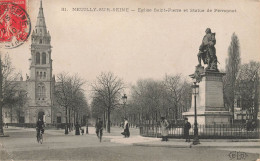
column 214, row 129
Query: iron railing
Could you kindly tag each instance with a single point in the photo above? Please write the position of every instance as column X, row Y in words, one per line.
column 215, row 131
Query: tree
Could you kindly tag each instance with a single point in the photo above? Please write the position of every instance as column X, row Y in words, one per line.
column 178, row 94
column 147, row 98
column 97, row 109
column 8, row 87
column 16, row 101
column 248, row 88
column 79, row 106
column 107, row 91
column 232, row 68
column 151, row 98
column 67, row 91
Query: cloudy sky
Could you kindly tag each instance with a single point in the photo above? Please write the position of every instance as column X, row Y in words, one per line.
column 138, row 45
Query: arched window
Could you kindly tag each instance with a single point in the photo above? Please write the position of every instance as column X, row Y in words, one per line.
column 44, row 75
column 39, row 90
column 40, row 74
column 40, row 41
column 38, row 58
column 43, row 58
column 43, row 91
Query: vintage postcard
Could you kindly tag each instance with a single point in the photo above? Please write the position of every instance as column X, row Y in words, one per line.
column 146, row 80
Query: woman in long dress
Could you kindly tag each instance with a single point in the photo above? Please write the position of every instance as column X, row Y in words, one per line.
column 164, row 129
column 126, row 132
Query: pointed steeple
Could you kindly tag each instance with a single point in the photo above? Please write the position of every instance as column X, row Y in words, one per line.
column 40, row 25
column 41, row 4
column 40, row 35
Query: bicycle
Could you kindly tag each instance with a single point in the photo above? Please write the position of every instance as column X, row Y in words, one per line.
column 39, row 136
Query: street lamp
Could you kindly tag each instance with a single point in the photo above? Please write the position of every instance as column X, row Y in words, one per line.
column 87, row 125
column 124, row 98
column 195, row 91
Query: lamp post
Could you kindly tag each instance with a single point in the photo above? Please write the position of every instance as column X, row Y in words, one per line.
column 195, row 91
column 87, row 125
column 124, row 98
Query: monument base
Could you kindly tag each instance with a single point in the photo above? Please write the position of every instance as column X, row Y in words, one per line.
column 209, row 117
column 209, row 98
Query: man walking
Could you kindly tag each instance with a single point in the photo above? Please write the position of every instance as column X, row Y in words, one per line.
column 187, row 127
column 99, row 127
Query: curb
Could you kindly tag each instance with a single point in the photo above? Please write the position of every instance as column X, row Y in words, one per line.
column 219, row 140
column 194, row 146
column 158, row 145
column 254, row 146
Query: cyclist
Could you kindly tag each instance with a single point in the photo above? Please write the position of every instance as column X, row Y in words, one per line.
column 99, row 127
column 39, row 127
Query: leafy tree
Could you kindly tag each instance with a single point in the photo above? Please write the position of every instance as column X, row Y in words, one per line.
column 232, row 68
column 248, row 87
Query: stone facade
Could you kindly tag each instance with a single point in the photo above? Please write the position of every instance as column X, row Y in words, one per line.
column 209, row 101
column 41, row 82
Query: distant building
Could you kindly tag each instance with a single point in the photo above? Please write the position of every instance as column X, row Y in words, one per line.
column 40, row 84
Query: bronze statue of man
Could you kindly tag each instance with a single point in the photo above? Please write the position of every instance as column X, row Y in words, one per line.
column 207, row 51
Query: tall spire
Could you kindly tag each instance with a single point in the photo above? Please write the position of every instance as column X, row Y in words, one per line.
column 40, row 25
column 41, row 4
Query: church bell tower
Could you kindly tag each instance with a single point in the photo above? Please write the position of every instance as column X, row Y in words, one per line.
column 41, row 70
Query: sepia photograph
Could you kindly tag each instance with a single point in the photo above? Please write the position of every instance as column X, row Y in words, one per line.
column 113, row 80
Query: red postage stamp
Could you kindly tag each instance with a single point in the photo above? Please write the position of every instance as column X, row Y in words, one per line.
column 15, row 25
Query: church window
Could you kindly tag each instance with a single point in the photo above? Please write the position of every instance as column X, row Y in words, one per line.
column 37, row 58
column 39, row 91
column 40, row 41
column 43, row 92
column 43, row 58
column 40, row 74
column 44, row 75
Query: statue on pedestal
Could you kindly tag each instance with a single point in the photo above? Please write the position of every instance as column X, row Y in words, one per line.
column 207, row 51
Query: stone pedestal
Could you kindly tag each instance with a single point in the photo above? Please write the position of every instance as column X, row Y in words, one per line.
column 210, row 104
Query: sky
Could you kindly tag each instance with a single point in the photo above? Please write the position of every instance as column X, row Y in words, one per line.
column 137, row 45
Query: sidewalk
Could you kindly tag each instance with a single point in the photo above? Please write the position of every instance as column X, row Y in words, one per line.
column 203, row 144
column 137, row 140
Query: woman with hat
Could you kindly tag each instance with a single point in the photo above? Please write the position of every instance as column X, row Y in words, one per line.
column 164, row 129
column 126, row 132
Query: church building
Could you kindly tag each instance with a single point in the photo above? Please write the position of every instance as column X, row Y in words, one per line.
column 40, row 83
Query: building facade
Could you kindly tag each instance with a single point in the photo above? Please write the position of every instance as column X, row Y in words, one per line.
column 40, row 83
